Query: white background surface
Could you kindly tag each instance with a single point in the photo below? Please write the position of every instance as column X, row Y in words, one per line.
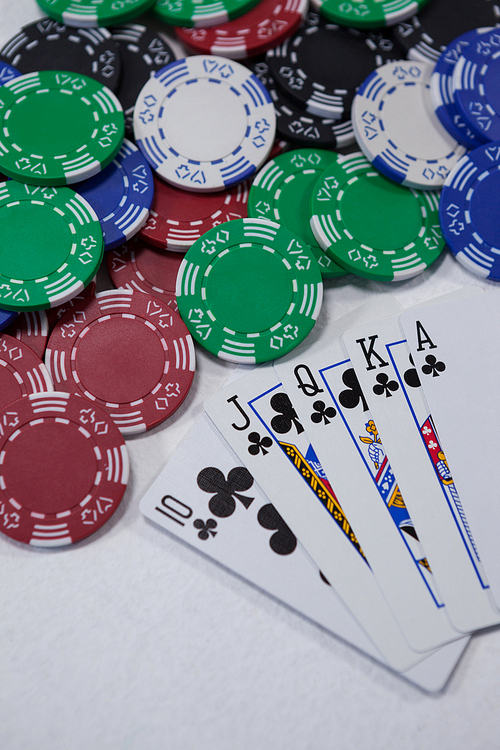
column 131, row 640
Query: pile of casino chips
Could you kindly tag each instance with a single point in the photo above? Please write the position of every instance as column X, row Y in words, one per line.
column 354, row 218
column 168, row 204
column 120, row 362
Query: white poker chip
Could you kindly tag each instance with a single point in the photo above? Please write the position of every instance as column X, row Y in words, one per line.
column 204, row 123
column 398, row 130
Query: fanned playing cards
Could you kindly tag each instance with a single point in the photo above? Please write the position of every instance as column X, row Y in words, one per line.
column 354, row 481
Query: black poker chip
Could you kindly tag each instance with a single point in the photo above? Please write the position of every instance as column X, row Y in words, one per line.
column 295, row 125
column 50, row 45
column 143, row 51
column 321, row 66
column 426, row 35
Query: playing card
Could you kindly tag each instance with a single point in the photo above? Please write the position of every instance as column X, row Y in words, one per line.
column 305, row 504
column 391, row 387
column 329, row 401
column 206, row 498
column 457, row 358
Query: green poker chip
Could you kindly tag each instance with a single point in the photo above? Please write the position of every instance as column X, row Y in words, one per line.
column 87, row 14
column 249, row 290
column 58, row 127
column 371, row 225
column 368, row 14
column 201, row 13
column 51, row 245
column 281, row 192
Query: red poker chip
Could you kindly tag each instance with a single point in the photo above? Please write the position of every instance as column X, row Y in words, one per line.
column 22, row 372
column 137, row 266
column 178, row 218
column 32, row 328
column 63, row 469
column 127, row 352
column 55, row 314
column 269, row 23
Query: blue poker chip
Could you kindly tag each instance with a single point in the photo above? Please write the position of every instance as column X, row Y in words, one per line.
column 476, row 84
column 442, row 91
column 469, row 211
column 204, row 123
column 6, row 318
column 7, row 72
column 121, row 195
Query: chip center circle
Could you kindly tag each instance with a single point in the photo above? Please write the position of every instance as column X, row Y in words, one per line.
column 120, row 360
column 321, row 45
column 249, row 289
column 60, row 472
column 380, row 214
column 420, row 131
column 34, row 240
column 41, row 122
column 158, row 267
column 485, row 208
column 179, row 206
column 108, row 190
column 204, row 120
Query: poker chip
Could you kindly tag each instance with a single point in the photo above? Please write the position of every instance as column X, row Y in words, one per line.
column 22, row 372
column 398, row 130
column 178, row 218
column 32, row 328
column 43, row 45
column 201, row 13
column 322, row 65
column 249, row 291
column 121, row 195
column 372, row 226
column 426, row 35
column 442, row 94
column 262, row 27
column 368, row 13
column 475, row 84
column 6, row 318
column 79, row 127
column 281, row 192
column 469, row 211
column 54, row 314
column 90, row 14
column 204, row 123
column 143, row 51
column 7, row 73
column 298, row 127
column 139, row 267
column 63, row 469
column 58, row 243
column 127, row 352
